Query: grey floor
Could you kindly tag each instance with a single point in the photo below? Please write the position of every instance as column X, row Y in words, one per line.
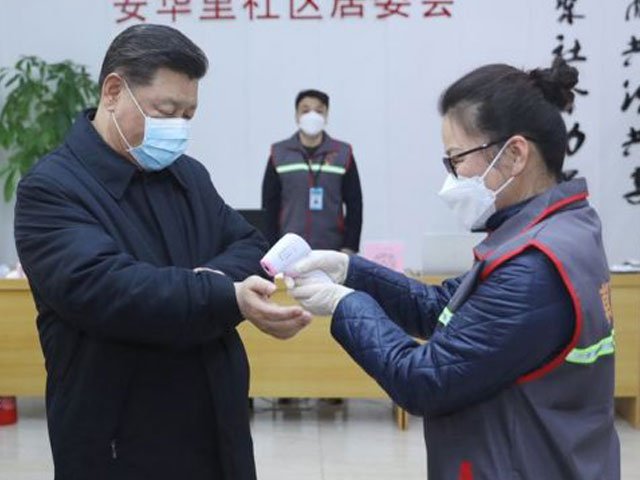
column 311, row 440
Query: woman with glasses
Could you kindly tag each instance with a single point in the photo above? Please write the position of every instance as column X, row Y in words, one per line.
column 516, row 379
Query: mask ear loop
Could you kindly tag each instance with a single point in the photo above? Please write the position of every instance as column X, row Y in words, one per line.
column 134, row 98
column 493, row 162
column 495, row 159
column 113, row 115
column 504, row 185
column 124, row 139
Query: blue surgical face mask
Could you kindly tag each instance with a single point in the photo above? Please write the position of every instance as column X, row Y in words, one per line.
column 165, row 139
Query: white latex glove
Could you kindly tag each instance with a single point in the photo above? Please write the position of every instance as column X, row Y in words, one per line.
column 319, row 298
column 335, row 264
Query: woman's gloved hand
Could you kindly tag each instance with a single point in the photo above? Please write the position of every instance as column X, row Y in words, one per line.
column 335, row 264
column 317, row 297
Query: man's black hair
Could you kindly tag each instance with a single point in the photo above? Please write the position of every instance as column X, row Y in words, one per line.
column 317, row 94
column 139, row 51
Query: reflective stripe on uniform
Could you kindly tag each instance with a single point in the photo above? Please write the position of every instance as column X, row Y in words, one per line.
column 590, row 354
column 445, row 316
column 303, row 167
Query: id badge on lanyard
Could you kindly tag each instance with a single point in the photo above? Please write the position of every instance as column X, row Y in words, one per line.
column 316, row 193
column 316, row 198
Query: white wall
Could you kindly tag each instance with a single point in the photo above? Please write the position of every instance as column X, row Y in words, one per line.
column 384, row 78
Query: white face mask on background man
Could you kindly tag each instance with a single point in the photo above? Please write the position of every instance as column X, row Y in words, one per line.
column 470, row 199
column 312, row 123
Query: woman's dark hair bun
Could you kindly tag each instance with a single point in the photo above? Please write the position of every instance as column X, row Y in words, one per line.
column 557, row 83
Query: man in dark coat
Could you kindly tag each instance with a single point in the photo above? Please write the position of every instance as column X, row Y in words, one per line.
column 140, row 273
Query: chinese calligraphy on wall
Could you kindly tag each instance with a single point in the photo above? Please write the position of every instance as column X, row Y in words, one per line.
column 259, row 10
column 630, row 106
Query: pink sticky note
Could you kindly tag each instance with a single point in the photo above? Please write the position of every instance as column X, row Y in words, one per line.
column 389, row 254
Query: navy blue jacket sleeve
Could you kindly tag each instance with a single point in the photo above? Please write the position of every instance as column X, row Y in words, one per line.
column 243, row 245
column 515, row 321
column 411, row 304
column 79, row 271
column 271, row 202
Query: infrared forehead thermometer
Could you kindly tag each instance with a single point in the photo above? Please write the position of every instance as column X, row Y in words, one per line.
column 290, row 249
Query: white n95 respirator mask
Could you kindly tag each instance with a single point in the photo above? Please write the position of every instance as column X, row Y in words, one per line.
column 470, row 199
column 311, row 123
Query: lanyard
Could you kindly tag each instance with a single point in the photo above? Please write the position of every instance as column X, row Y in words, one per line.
column 316, row 175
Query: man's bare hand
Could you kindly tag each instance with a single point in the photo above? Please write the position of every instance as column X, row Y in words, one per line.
column 281, row 322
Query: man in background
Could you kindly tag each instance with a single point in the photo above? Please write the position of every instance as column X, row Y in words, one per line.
column 310, row 180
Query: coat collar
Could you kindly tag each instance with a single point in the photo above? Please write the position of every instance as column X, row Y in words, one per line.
column 105, row 164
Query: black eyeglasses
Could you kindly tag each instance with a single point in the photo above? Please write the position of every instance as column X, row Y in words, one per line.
column 450, row 159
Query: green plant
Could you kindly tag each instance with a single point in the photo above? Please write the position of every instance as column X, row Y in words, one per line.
column 41, row 101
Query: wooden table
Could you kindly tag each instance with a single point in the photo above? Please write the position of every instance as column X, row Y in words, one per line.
column 309, row 365
column 625, row 300
column 21, row 361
